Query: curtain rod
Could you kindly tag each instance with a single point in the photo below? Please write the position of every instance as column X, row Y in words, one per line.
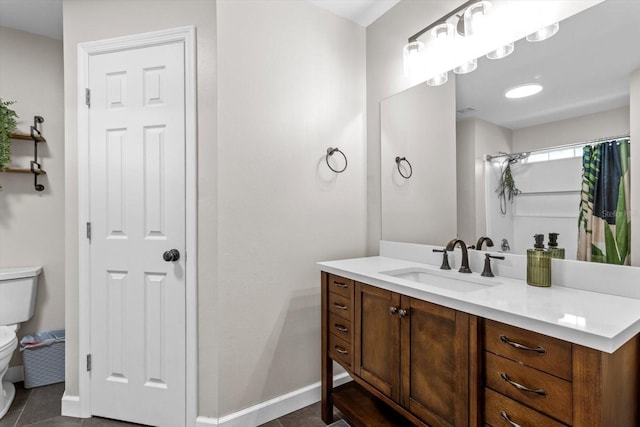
column 525, row 154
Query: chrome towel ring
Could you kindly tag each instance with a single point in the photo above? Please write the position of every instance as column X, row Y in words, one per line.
column 400, row 160
column 330, row 152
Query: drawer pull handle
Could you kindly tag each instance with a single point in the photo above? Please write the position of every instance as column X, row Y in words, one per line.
column 403, row 313
column 341, row 285
column 505, row 339
column 340, row 350
column 340, row 306
column 538, row 391
column 393, row 310
column 340, row 327
column 505, row 417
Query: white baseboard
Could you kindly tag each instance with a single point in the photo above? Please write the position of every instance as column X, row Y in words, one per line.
column 252, row 416
column 272, row 409
column 71, row 406
column 14, row 374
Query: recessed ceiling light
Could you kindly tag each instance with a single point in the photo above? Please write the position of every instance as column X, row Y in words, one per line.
column 523, row 91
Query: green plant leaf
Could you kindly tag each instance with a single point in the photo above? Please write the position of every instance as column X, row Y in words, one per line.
column 7, row 124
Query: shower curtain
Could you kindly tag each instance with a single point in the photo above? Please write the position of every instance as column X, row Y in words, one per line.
column 604, row 233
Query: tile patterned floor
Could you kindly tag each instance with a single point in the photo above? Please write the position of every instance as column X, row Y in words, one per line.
column 306, row 417
column 40, row 407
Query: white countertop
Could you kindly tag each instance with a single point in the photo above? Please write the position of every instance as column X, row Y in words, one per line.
column 596, row 320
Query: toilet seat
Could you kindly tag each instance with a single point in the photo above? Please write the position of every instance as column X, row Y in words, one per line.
column 8, row 339
column 8, row 344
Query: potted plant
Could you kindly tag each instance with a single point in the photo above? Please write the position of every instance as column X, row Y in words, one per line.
column 7, row 125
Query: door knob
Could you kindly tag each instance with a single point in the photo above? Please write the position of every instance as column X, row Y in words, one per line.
column 171, row 255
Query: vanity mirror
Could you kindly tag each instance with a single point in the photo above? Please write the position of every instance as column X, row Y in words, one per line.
column 585, row 73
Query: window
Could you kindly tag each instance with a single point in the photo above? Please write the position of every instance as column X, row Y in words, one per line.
column 553, row 154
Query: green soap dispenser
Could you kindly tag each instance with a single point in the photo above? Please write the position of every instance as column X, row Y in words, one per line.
column 538, row 264
column 554, row 250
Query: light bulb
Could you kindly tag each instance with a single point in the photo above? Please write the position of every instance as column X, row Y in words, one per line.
column 438, row 79
column 467, row 67
column 544, row 33
column 414, row 57
column 501, row 52
column 442, row 32
column 476, row 18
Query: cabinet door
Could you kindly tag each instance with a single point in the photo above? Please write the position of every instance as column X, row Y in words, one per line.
column 377, row 339
column 435, row 363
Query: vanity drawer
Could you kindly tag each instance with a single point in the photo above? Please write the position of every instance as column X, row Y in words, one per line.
column 340, row 327
column 532, row 349
column 340, row 305
column 498, row 409
column 341, row 286
column 509, row 378
column 340, row 350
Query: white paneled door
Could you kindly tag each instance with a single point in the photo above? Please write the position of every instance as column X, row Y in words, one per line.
column 137, row 211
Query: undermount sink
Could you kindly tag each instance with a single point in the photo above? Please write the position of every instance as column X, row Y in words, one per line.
column 451, row 280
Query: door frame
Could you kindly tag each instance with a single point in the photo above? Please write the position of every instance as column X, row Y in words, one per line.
column 186, row 36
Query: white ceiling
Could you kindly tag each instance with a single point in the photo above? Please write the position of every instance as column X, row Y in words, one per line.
column 44, row 17
column 363, row 12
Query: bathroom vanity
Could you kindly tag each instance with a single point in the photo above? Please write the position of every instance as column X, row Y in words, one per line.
column 440, row 348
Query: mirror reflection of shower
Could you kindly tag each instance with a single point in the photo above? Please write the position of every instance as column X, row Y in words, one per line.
column 507, row 189
column 545, row 197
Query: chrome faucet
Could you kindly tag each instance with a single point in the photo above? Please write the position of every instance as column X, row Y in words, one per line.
column 483, row 239
column 464, row 265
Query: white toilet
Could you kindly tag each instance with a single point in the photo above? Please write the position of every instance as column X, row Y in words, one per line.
column 17, row 303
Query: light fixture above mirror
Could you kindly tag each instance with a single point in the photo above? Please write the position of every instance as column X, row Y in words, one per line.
column 475, row 28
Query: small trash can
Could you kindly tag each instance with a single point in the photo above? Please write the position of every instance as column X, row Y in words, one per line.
column 43, row 355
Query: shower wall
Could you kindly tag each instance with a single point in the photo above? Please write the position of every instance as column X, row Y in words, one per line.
column 548, row 203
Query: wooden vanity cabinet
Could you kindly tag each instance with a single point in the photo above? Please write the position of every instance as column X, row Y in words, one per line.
column 533, row 380
column 414, row 352
column 416, row 363
column 434, row 362
column 410, row 356
column 340, row 319
column 377, row 339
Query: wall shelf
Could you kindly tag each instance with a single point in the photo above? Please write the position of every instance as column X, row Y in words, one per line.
column 27, row 137
column 24, row 170
column 36, row 137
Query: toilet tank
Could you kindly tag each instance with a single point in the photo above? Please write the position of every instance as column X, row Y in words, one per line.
column 18, row 294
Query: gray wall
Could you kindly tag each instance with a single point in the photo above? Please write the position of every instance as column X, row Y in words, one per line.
column 31, row 222
column 578, row 129
column 291, row 83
